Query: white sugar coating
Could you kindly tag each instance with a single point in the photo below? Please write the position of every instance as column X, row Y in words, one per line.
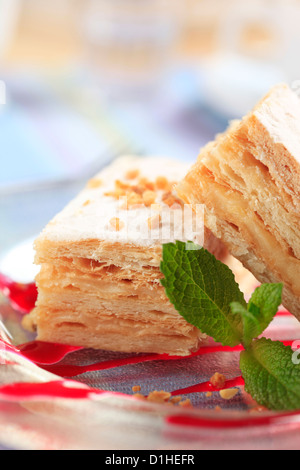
column 279, row 113
column 88, row 216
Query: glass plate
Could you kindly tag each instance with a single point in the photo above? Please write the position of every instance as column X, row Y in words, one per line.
column 58, row 407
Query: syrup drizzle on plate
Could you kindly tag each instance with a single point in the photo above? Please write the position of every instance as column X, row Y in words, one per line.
column 48, row 356
column 46, row 353
column 21, row 296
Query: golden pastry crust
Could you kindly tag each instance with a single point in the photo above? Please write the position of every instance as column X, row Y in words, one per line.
column 99, row 283
column 249, row 181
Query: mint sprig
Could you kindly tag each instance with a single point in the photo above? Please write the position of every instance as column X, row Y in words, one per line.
column 270, row 376
column 202, row 288
column 260, row 311
column 204, row 291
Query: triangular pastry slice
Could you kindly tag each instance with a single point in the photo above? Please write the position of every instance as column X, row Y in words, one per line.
column 249, row 181
column 99, row 284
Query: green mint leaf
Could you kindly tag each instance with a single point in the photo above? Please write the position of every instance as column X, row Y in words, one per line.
column 251, row 324
column 264, row 303
column 202, row 288
column 261, row 310
column 271, row 376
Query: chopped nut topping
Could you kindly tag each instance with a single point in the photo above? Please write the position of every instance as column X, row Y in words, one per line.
column 120, row 190
column 94, row 183
column 134, row 199
column 139, row 396
column 186, row 403
column 154, row 221
column 176, row 400
column 144, row 192
column 229, row 394
column 170, row 200
column 167, row 195
column 159, row 397
column 131, row 201
column 86, row 203
column 163, row 398
column 162, row 183
column 120, row 185
column 116, row 224
column 218, row 380
column 147, row 184
column 116, row 193
column 139, row 189
column 132, row 174
column 149, row 197
column 136, row 388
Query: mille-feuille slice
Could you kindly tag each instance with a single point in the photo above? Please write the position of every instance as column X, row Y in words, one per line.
column 249, row 182
column 99, row 284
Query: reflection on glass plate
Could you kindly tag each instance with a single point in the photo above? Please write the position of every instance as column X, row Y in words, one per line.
column 17, row 263
column 83, row 398
column 45, row 393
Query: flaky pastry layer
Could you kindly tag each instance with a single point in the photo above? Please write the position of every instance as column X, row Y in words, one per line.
column 99, row 284
column 249, row 181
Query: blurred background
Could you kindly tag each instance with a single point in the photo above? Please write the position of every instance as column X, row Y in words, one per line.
column 83, row 81
column 86, row 80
